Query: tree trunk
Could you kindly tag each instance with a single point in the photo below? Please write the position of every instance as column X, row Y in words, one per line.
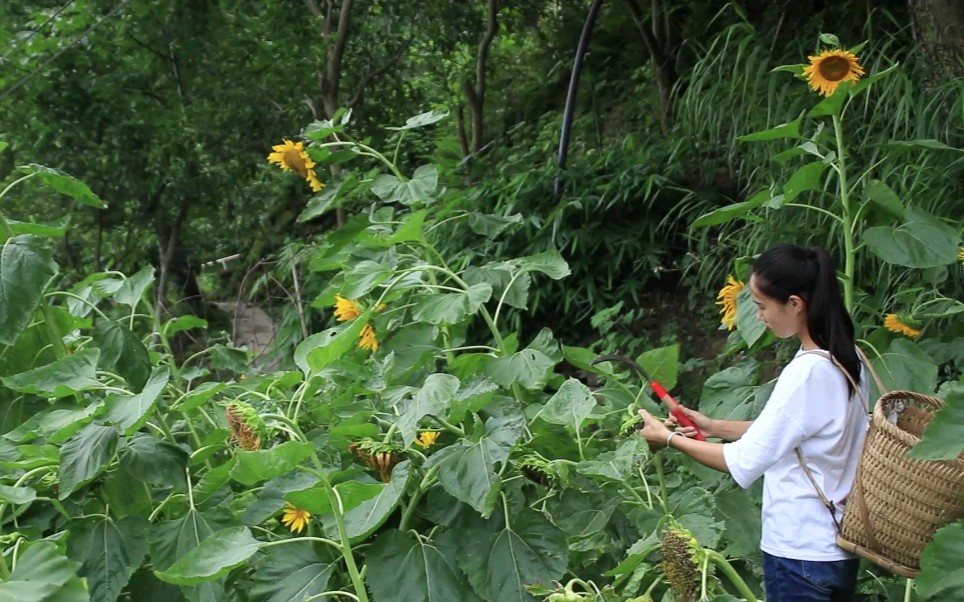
column 475, row 95
column 662, row 42
column 166, row 258
column 939, row 35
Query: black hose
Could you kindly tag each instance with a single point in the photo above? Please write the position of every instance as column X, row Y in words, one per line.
column 571, row 96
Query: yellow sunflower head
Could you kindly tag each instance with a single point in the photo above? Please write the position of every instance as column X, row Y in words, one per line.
column 426, row 438
column 291, row 156
column 295, row 519
column 902, row 324
column 829, row 68
column 367, row 339
column 346, row 309
column 727, row 300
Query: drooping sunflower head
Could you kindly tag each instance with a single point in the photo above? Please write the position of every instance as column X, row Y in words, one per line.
column 367, row 339
column 245, row 425
column 960, row 255
column 295, row 519
column 346, row 309
column 382, row 457
column 682, row 562
column 902, row 324
column 831, row 67
column 726, row 299
column 291, row 156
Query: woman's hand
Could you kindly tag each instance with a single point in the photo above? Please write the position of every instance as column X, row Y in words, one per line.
column 704, row 423
column 653, row 431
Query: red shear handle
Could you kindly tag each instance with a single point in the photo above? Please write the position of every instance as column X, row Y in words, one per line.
column 675, row 410
column 685, row 420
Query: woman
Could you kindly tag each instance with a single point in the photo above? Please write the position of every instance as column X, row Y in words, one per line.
column 813, row 407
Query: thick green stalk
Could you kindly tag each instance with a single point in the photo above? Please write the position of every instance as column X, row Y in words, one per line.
column 847, row 216
column 4, row 224
column 346, row 551
column 721, row 563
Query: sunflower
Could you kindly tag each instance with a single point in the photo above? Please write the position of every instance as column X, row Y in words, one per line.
column 367, row 339
column 901, row 324
column 426, row 438
column 291, row 156
column 295, row 519
column 727, row 299
column 346, row 309
column 244, row 422
column 829, row 68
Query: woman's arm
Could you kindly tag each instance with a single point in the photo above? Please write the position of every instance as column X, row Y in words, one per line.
column 730, row 430
column 704, row 452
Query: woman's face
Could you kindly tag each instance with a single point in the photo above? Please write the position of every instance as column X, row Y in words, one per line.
column 784, row 319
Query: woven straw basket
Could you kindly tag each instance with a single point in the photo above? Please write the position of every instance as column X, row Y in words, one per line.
column 897, row 503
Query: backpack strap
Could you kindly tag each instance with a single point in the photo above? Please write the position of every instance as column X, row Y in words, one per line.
column 832, row 507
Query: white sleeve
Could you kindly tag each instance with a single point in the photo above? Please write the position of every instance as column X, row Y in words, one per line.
column 793, row 413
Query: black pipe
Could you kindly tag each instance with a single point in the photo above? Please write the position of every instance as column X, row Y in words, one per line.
column 571, row 96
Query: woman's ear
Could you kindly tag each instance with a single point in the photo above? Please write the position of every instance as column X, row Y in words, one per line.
column 797, row 304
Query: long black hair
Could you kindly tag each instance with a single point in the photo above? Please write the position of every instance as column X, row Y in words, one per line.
column 810, row 274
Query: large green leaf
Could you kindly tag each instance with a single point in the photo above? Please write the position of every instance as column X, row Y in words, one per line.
column 886, row 199
column 528, row 551
column 63, row 377
column 434, row 398
column 65, row 184
column 570, row 405
column 507, row 285
column 662, row 364
column 942, row 572
column 122, row 351
column 43, row 574
column 786, row 130
column 581, row 513
column 421, row 120
column 255, row 466
column 421, row 188
column 363, row 278
column 944, row 437
column 319, row 350
column 174, row 539
column 806, row 178
column 922, row 241
column 748, row 324
column 213, row 558
column 730, row 394
column 130, row 412
column 549, row 263
column 529, row 368
column 351, row 493
column 109, row 552
column 290, row 573
column 740, row 209
column 905, row 367
column 406, row 568
column 25, row 267
column 17, row 495
column 85, row 456
column 131, row 290
column 148, row 459
column 616, row 465
column 467, row 470
column 365, row 518
column 451, row 308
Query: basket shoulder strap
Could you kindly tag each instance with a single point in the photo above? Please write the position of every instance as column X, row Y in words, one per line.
column 823, row 497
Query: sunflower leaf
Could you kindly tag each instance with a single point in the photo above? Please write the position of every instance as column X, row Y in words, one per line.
column 403, row 568
column 65, row 184
column 830, row 40
column 421, row 120
column 213, row 558
column 26, row 265
column 794, row 69
column 787, row 130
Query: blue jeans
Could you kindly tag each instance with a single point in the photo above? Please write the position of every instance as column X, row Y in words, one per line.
column 788, row 580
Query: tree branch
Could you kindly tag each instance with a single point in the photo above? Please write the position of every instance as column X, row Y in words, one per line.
column 394, row 58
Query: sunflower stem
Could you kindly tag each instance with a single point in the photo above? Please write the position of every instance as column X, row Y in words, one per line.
column 724, row 565
column 4, row 224
column 846, row 216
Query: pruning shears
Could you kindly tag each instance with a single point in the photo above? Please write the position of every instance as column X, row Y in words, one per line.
column 664, row 396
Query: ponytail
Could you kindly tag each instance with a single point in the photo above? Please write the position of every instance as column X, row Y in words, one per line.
column 810, row 274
